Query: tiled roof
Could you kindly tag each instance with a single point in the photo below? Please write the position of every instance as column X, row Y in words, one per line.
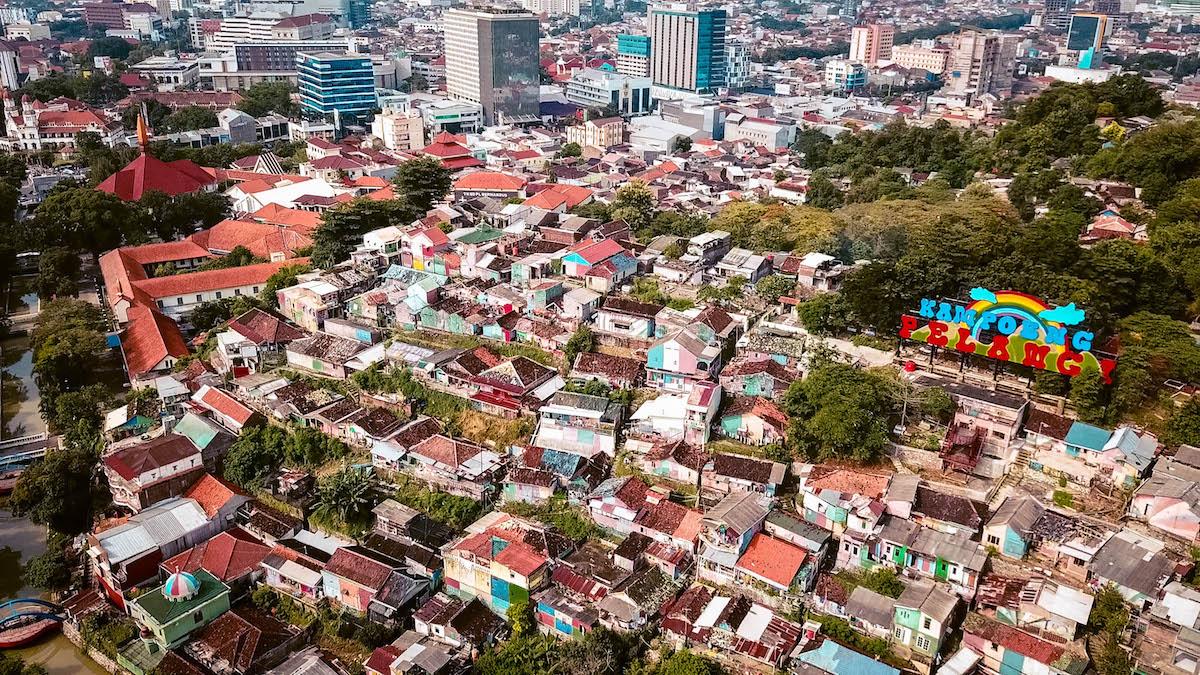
column 617, row 368
column 133, row 461
column 446, row 450
column 227, row 557
column 223, row 403
column 264, row 328
column 772, row 559
column 211, row 280
column 212, row 493
column 489, row 180
column 149, row 338
column 763, row 408
column 148, row 173
column 559, row 195
column 847, row 481
column 358, row 568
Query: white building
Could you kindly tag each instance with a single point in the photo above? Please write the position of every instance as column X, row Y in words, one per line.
column 169, row 72
column 912, row 56
column 439, row 114
column 772, row 134
column 398, row 126
column 554, row 7
column 626, row 95
column 844, row 75
column 982, row 62
column 10, row 67
column 29, row 31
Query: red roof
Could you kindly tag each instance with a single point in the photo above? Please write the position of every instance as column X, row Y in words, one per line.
column 447, row 145
column 490, row 180
column 217, row 400
column 149, row 338
column 552, row 197
column 212, row 493
column 595, row 252
column 358, row 568
column 210, row 280
column 263, row 328
column 147, row 173
column 773, row 559
column 225, row 556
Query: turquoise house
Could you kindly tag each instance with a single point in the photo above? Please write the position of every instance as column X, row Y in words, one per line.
column 1084, row 438
column 1010, row 529
column 184, row 604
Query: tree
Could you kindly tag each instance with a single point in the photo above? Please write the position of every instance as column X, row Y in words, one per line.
column 779, row 227
column 520, row 618
column 262, row 98
column 117, row 48
column 839, row 411
column 1183, row 426
column 211, row 313
column 685, row 662
column 67, row 341
column 79, row 415
column 1089, row 396
column 822, row 193
column 342, row 228
column 58, row 273
column 418, row 83
column 11, row 664
column 346, row 497
column 255, row 456
column 883, row 581
column 421, row 183
column 824, row 314
column 155, row 114
column 282, row 278
column 59, row 491
column 634, row 203
column 570, row 150
column 681, row 144
column 86, row 219
column 582, row 340
column 190, row 118
column 50, row 571
column 1111, row 658
column 310, row 447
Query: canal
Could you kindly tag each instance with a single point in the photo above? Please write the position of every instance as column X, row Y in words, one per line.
column 21, row 539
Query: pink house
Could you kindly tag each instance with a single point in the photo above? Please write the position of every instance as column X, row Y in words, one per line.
column 1170, row 499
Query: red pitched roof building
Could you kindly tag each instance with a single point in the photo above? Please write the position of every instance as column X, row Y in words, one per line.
column 148, row 173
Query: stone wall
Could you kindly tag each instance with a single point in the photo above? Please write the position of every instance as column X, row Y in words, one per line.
column 916, row 458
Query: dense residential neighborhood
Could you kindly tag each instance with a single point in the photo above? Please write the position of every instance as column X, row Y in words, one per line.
column 427, row 338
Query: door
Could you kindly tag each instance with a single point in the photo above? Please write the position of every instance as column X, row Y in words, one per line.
column 940, row 569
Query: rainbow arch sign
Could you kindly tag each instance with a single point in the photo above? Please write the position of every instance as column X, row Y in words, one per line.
column 1010, row 326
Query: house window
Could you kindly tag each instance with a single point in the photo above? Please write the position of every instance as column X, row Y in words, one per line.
column 198, row 617
column 993, row 540
column 199, row 298
column 255, row 290
column 899, row 633
column 237, row 291
column 922, row 643
column 179, row 301
column 928, row 624
column 997, row 434
column 218, row 295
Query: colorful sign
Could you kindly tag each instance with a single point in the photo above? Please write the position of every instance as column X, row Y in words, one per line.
column 1009, row 326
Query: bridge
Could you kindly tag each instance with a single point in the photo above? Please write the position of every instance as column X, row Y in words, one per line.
column 20, row 460
column 21, row 611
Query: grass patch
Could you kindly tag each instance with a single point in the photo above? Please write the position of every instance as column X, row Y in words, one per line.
column 453, row 511
column 485, row 429
column 881, row 580
column 567, row 519
column 1064, row 499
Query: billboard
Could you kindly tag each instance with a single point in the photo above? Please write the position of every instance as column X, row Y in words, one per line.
column 1012, row 327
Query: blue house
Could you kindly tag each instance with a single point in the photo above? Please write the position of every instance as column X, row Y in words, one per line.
column 835, row 659
column 1010, row 529
column 1084, row 438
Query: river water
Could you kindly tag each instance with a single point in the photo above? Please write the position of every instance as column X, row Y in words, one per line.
column 21, row 539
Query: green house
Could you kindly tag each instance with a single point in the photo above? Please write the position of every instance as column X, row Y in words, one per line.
column 922, row 617
column 181, row 606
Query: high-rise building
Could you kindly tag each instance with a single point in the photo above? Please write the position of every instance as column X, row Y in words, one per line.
column 492, row 60
column 1180, row 7
column 633, row 55
column 1056, row 14
column 341, row 85
column 689, row 47
column 398, row 126
column 356, row 13
column 556, row 7
column 737, row 64
column 871, row 43
column 982, row 62
column 1087, row 32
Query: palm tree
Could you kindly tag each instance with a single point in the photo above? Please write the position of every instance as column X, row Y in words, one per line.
column 346, row 493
